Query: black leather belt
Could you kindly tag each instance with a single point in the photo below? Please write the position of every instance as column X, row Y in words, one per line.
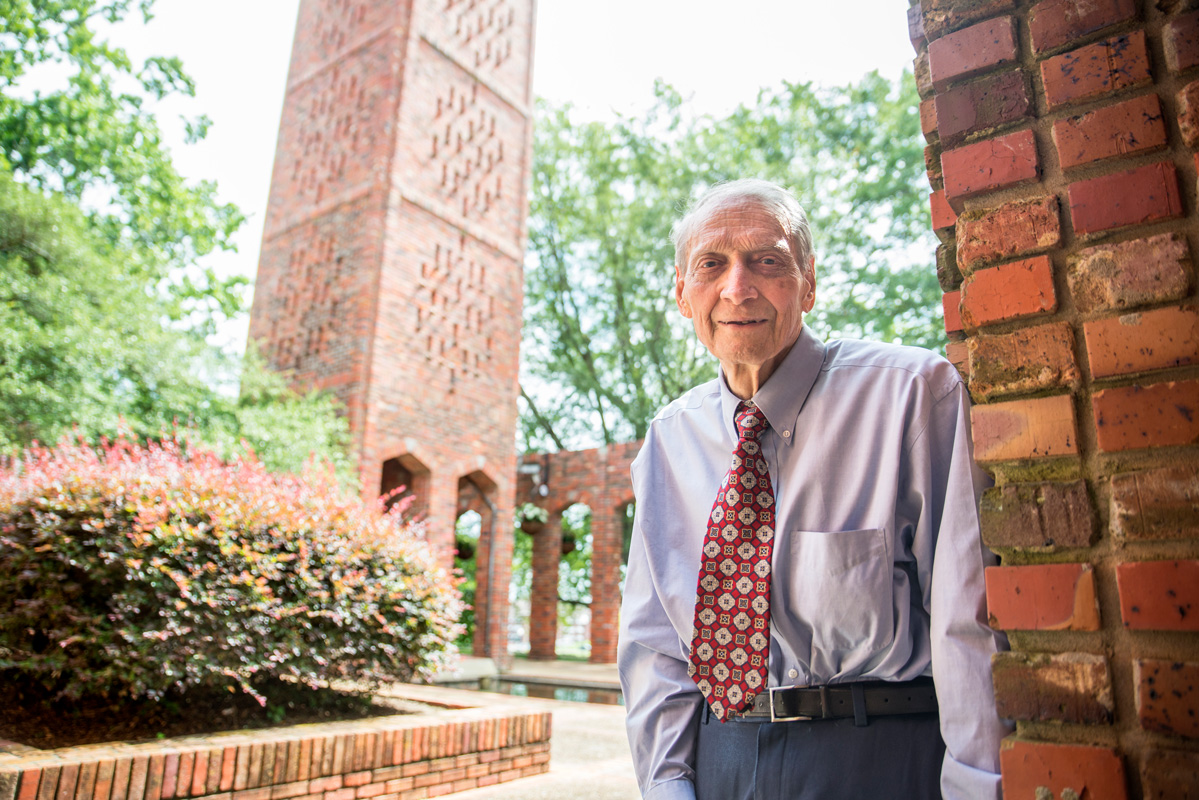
column 858, row 700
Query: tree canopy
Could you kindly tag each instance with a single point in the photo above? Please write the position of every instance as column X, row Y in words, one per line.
column 604, row 346
column 103, row 300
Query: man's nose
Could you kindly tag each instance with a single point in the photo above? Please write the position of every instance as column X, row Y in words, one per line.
column 739, row 283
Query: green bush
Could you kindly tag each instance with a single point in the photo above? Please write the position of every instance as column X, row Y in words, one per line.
column 129, row 570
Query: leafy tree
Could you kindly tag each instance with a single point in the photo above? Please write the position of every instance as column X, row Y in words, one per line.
column 95, row 139
column 604, row 345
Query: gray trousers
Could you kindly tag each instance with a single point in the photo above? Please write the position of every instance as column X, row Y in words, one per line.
column 891, row 758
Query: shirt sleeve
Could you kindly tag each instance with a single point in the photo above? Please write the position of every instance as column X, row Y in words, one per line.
column 662, row 703
column 949, row 485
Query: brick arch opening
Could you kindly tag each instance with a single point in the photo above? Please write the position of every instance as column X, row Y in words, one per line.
column 477, row 495
column 405, row 478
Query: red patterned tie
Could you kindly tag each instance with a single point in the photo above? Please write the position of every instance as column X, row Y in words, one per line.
column 731, row 640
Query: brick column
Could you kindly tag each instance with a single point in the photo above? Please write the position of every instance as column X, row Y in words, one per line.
column 1061, row 156
column 543, row 612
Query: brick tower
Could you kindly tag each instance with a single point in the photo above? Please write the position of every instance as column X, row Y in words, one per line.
column 390, row 271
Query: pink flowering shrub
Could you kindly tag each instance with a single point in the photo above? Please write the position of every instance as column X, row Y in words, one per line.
column 129, row 570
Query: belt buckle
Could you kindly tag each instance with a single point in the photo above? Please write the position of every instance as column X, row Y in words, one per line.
column 774, row 717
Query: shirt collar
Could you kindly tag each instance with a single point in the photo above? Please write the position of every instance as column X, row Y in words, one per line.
column 784, row 393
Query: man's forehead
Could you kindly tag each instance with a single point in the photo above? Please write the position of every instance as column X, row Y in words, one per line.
column 738, row 224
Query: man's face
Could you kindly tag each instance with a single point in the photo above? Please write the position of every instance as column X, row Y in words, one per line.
column 744, row 289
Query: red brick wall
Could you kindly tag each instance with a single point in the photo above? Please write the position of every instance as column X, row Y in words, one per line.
column 390, row 758
column 391, row 262
column 1062, row 137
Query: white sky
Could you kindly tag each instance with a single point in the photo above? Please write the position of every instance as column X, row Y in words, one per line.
column 598, row 55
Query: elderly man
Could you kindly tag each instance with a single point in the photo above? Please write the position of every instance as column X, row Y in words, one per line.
column 806, row 560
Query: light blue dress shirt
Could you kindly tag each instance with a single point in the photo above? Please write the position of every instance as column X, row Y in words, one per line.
column 870, row 454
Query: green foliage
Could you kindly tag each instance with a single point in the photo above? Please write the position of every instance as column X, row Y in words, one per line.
column 94, row 138
column 130, row 570
column 87, row 348
column 604, row 345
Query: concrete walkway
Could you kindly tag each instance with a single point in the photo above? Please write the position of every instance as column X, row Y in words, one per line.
column 589, row 754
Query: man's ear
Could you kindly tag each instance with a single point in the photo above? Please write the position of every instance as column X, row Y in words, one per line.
column 809, row 298
column 679, row 282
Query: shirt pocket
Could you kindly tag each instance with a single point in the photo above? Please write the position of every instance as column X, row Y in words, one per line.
column 841, row 587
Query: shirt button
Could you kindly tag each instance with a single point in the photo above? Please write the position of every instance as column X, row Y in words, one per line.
column 786, row 434
column 792, row 673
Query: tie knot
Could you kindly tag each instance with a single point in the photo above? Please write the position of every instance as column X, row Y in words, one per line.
column 750, row 421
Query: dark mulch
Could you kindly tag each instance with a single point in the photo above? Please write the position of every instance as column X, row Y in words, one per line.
column 30, row 716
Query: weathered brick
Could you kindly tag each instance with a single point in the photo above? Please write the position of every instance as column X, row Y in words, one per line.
column 1157, row 415
column 1097, row 69
column 1168, row 696
column 1129, row 274
column 951, row 308
column 958, row 355
column 932, row 164
column 86, row 784
column 28, row 790
column 1024, row 361
column 8, row 785
column 996, row 163
column 1008, row 292
column 67, row 780
column 1019, row 429
column 1055, row 23
column 1159, row 595
column 1134, row 126
column 1035, row 770
column 916, row 27
column 138, row 777
column 1169, row 774
column 1043, row 597
column 122, row 771
column 972, row 50
column 47, row 787
column 105, row 772
column 928, row 120
column 1063, row 687
column 170, row 775
column 943, row 16
column 1019, row 228
column 1047, row 516
column 1131, row 197
column 154, row 777
column 943, row 215
column 948, row 274
column 981, row 106
column 1156, row 504
column 922, row 74
column 1188, row 114
column 187, row 763
column 1143, row 341
column 1181, row 40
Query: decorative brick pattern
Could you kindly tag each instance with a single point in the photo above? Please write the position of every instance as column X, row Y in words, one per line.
column 1043, row 597
column 1159, row 595
column 1054, row 23
column 991, row 164
column 972, row 50
column 1024, row 361
column 1048, row 516
column 1131, row 197
column 1032, row 770
column 1040, row 428
column 1168, row 696
column 1156, row 504
column 1158, row 415
column 1008, row 292
column 1139, row 272
column 1143, row 342
column 1096, row 70
column 1134, row 126
column 1066, row 687
column 1019, row 228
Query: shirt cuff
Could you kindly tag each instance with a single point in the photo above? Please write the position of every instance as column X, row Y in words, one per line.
column 680, row 789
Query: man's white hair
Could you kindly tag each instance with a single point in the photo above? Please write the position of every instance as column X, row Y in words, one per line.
column 774, row 198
